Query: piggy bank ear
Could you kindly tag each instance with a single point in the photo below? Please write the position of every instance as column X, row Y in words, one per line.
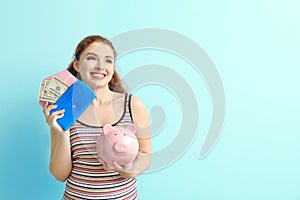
column 131, row 127
column 107, row 128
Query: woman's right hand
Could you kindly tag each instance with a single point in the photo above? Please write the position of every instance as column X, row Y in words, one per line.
column 105, row 166
column 51, row 119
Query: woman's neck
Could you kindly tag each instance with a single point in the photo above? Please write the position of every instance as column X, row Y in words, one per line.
column 103, row 95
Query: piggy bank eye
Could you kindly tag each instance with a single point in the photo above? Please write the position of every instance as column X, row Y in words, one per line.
column 124, row 134
column 115, row 134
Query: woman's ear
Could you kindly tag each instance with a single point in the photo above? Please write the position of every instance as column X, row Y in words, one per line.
column 75, row 65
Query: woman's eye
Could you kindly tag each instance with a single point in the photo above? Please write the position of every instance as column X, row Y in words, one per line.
column 91, row 58
column 109, row 61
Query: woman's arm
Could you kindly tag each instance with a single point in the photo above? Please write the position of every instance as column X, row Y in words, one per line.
column 60, row 156
column 141, row 120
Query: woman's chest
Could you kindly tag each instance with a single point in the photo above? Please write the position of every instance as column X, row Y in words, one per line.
column 104, row 114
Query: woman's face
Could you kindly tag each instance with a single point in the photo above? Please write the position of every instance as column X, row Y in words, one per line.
column 96, row 65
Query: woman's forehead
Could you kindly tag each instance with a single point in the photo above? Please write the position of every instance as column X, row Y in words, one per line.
column 99, row 48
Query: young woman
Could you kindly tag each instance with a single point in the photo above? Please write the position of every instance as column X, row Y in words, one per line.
column 73, row 152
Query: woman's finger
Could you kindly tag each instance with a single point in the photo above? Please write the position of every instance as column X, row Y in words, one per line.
column 59, row 112
column 51, row 107
column 51, row 119
column 45, row 106
column 105, row 166
column 56, row 115
column 48, row 109
column 117, row 166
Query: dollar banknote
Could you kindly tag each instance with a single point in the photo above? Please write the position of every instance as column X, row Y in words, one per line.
column 51, row 90
column 56, row 86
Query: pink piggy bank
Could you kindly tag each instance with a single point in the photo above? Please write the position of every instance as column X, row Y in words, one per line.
column 118, row 144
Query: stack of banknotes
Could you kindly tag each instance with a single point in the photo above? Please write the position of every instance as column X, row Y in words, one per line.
column 52, row 87
column 51, row 90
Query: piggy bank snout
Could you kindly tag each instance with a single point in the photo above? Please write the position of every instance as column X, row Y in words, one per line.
column 121, row 147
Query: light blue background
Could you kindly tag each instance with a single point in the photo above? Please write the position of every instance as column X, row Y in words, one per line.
column 255, row 46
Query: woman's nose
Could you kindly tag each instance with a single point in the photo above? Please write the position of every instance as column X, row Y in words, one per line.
column 100, row 65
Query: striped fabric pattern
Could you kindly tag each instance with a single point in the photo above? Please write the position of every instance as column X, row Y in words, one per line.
column 88, row 179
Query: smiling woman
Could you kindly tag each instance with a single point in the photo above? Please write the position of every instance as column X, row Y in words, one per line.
column 99, row 52
column 96, row 65
column 73, row 152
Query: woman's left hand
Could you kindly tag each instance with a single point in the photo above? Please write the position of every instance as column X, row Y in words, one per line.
column 125, row 172
column 140, row 164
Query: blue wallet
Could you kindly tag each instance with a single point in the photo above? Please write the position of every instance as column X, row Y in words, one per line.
column 75, row 101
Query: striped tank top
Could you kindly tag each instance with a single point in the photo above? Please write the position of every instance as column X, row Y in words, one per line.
column 88, row 179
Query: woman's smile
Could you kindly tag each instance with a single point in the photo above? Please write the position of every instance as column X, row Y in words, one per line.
column 98, row 75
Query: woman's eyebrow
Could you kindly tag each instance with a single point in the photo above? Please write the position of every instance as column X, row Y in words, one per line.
column 94, row 54
column 109, row 57
column 91, row 54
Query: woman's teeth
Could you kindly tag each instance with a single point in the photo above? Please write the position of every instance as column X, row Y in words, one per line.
column 97, row 75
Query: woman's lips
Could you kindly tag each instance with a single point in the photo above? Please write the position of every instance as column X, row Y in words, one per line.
column 98, row 75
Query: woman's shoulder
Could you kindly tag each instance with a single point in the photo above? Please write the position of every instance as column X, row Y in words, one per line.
column 139, row 111
column 137, row 102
